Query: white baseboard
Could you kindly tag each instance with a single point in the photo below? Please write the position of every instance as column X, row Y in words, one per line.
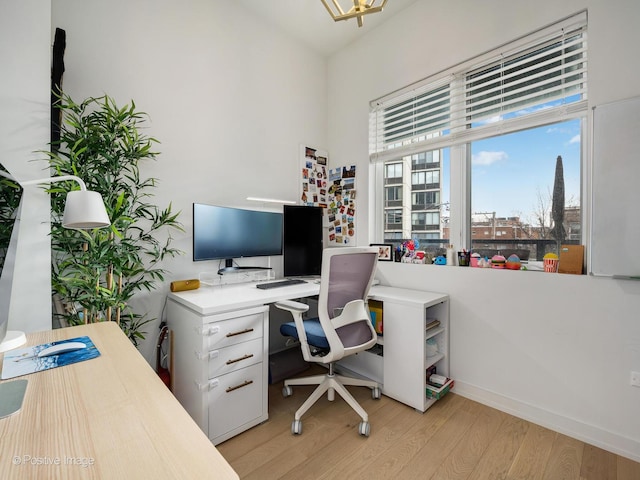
column 584, row 432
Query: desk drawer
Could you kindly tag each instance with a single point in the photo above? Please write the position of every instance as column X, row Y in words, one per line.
column 234, row 330
column 235, row 399
column 235, row 357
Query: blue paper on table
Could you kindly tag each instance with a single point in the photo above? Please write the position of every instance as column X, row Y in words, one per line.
column 23, row 361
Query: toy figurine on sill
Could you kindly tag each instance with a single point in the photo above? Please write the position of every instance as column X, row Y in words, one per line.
column 440, row 260
column 419, row 257
column 484, row 263
column 409, row 251
column 513, row 262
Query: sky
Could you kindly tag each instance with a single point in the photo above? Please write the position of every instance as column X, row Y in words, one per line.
column 509, row 172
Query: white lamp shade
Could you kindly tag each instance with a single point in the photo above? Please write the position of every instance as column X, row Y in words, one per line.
column 84, row 209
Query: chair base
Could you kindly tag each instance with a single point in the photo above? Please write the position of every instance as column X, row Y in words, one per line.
column 331, row 383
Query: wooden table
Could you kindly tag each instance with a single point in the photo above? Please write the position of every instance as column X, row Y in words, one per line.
column 109, row 417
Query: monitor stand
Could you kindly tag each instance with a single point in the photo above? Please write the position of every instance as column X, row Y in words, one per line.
column 229, row 268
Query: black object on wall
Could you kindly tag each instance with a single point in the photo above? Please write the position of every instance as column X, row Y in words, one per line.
column 57, row 70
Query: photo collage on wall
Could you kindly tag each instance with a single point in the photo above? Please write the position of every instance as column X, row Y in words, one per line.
column 334, row 190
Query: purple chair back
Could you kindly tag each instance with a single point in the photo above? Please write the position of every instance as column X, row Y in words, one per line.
column 349, row 278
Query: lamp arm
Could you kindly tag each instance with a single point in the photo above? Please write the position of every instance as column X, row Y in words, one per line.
column 61, row 178
column 39, row 181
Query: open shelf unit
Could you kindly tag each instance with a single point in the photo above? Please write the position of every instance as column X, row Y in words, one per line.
column 402, row 369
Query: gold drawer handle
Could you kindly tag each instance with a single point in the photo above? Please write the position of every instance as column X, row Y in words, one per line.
column 229, row 362
column 246, row 382
column 233, row 334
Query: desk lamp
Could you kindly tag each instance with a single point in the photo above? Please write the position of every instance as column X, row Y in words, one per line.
column 84, row 209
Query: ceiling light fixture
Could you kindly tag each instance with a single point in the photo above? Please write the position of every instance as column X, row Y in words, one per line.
column 359, row 9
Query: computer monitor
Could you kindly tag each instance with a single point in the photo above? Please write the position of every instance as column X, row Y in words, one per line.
column 229, row 233
column 303, row 241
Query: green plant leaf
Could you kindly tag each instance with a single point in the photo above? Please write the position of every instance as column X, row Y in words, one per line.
column 105, row 144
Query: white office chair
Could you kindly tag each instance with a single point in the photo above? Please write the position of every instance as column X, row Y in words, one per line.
column 343, row 328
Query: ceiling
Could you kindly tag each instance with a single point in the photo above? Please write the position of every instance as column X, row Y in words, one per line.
column 309, row 21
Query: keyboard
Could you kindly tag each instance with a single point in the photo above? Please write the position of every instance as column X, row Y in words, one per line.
column 280, row 283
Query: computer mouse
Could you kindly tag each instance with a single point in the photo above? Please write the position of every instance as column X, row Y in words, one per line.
column 61, row 348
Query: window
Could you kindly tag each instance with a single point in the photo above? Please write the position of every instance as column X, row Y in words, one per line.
column 425, row 200
column 491, row 130
column 425, row 221
column 393, row 224
column 418, row 192
column 429, row 179
column 393, row 171
column 423, row 160
column 512, row 178
column 393, row 196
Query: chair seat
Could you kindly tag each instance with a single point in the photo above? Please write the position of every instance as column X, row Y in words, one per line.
column 315, row 334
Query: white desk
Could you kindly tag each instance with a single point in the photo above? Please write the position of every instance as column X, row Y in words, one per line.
column 221, row 348
column 225, row 298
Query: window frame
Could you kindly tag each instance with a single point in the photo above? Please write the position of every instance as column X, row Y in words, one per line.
column 460, row 135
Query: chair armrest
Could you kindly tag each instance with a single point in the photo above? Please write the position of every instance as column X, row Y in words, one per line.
column 291, row 306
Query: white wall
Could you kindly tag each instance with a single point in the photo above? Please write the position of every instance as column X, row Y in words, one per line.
column 25, row 86
column 555, row 349
column 229, row 98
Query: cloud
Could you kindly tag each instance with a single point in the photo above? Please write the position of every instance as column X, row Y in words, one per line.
column 488, row 158
column 561, row 130
column 575, row 139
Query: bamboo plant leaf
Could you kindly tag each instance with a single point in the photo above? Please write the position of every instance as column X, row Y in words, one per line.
column 97, row 272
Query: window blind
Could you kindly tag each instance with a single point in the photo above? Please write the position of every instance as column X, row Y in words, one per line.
column 535, row 80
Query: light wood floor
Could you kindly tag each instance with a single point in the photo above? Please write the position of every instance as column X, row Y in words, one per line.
column 455, row 439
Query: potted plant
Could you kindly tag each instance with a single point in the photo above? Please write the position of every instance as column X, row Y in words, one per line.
column 95, row 273
column 10, row 195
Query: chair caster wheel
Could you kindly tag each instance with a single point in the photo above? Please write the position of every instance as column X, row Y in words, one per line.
column 375, row 393
column 364, row 429
column 287, row 391
column 296, row 427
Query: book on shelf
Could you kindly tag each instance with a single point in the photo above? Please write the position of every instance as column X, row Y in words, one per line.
column 376, row 311
column 438, row 391
column 432, row 323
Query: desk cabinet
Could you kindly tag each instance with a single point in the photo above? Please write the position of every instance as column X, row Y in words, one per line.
column 402, row 369
column 219, row 369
